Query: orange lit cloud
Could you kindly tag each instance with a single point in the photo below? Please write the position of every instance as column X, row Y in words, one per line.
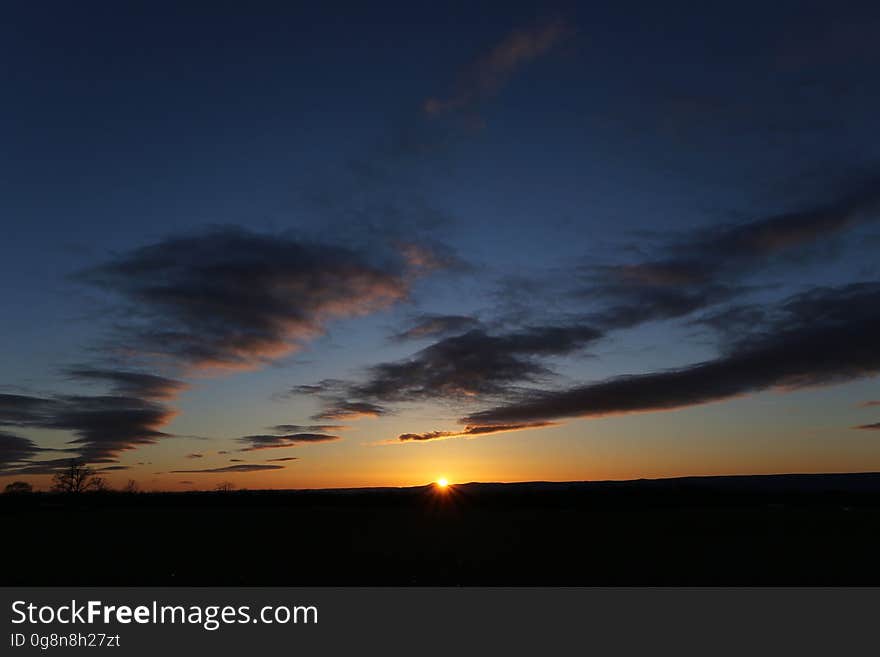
column 236, row 299
column 469, row 431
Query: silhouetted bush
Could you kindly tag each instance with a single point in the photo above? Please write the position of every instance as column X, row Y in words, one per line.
column 18, row 488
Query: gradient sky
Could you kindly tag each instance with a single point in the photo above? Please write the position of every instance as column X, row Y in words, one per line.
column 295, row 246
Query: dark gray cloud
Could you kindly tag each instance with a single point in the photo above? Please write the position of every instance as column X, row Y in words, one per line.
column 870, row 427
column 474, row 364
column 194, row 455
column 703, row 269
column 16, row 450
column 868, row 404
column 707, row 252
column 107, row 425
column 265, row 441
column 283, row 458
column 631, row 305
column 734, row 322
column 825, row 336
column 249, row 467
column 20, row 410
column 131, row 384
column 432, row 326
column 42, row 467
column 234, row 298
column 339, row 409
column 103, row 425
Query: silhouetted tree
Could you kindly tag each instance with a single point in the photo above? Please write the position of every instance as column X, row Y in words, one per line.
column 18, row 488
column 99, row 485
column 131, row 487
column 225, row 487
column 77, row 478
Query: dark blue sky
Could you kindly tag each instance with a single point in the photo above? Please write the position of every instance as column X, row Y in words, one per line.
column 250, row 199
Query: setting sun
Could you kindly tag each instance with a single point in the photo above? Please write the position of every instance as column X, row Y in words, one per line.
column 442, row 482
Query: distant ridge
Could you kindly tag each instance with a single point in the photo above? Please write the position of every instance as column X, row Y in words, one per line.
column 791, row 482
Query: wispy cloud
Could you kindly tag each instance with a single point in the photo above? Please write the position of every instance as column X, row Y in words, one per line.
column 231, row 468
column 103, row 426
column 15, row 450
column 350, row 410
column 706, row 267
column 470, row 366
column 490, row 72
column 238, row 299
column 267, row 441
column 306, row 428
column 129, row 383
column 822, row 337
column 432, row 326
column 471, row 431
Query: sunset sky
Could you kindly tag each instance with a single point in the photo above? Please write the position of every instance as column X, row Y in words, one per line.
column 283, row 245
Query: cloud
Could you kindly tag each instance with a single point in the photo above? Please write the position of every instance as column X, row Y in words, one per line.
column 238, row 299
column 473, row 364
column 488, row 75
column 231, row 468
column 283, row 458
column 114, row 468
column 431, row 326
column 288, row 440
column 425, row 258
column 734, row 322
column 869, row 404
column 105, row 426
column 306, row 428
column 44, row 467
column 194, row 455
column 102, row 425
column 16, row 450
column 131, row 384
column 701, row 269
column 823, row 337
column 709, row 250
column 346, row 410
column 227, row 298
column 471, row 431
column 870, row 427
column 20, row 410
column 637, row 304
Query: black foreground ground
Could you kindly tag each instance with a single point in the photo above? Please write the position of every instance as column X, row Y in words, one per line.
column 781, row 529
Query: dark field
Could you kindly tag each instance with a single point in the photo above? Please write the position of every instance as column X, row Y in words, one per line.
column 791, row 529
